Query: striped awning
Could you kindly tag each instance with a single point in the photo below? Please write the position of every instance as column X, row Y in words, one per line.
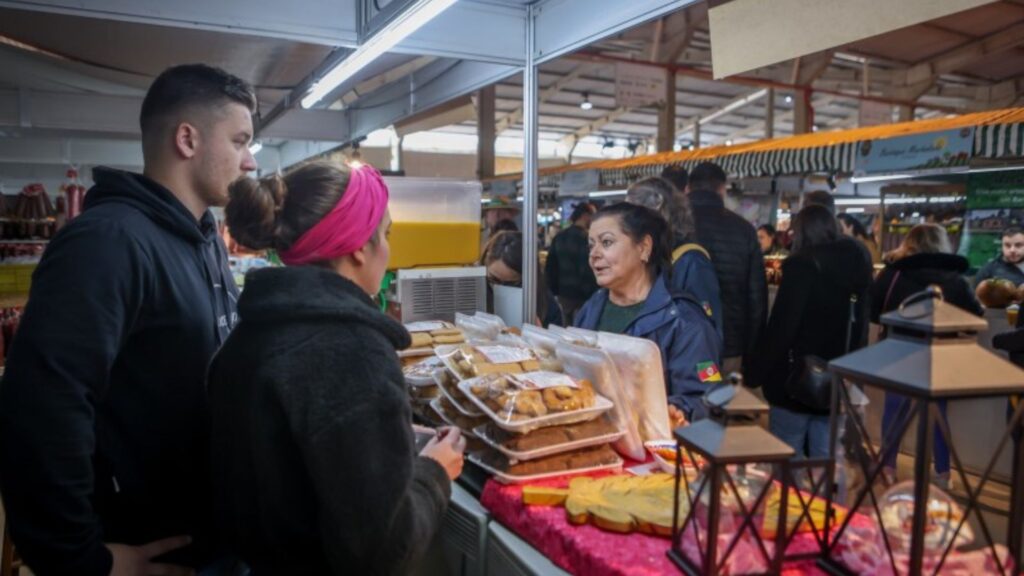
column 998, row 134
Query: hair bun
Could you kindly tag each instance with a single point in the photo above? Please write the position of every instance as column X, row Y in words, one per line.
column 253, row 209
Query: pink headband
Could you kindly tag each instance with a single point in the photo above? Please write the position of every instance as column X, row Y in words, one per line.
column 348, row 226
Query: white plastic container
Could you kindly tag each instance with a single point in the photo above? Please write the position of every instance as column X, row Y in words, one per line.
column 439, row 379
column 481, row 433
column 601, row 405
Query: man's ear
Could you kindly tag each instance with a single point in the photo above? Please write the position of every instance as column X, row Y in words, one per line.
column 186, row 140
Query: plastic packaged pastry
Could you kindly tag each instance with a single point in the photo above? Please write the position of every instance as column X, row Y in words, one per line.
column 581, row 461
column 548, row 441
column 430, row 334
column 522, row 403
column 468, row 361
column 449, row 389
column 422, row 373
column 444, row 408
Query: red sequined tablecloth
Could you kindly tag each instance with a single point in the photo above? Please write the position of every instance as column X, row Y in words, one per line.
column 586, row 549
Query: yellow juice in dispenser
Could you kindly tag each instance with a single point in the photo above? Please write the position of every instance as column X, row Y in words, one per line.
column 419, row 244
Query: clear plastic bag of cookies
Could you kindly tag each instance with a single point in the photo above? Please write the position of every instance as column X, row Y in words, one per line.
column 472, row 361
column 524, row 402
column 544, row 343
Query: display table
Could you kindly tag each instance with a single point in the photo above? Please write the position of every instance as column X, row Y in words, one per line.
column 587, row 549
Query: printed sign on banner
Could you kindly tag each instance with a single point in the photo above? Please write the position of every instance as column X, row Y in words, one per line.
column 995, row 201
column 637, row 85
column 934, row 153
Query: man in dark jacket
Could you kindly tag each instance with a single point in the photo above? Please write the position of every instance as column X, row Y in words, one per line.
column 103, row 416
column 1010, row 264
column 736, row 255
column 568, row 267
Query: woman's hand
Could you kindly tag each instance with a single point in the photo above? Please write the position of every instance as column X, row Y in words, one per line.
column 447, row 450
column 676, row 418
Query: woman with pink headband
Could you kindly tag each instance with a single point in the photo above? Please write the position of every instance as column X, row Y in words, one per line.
column 315, row 470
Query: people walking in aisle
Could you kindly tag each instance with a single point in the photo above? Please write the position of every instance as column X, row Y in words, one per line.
column 924, row 259
column 735, row 253
column 1009, row 265
column 767, row 237
column 314, row 462
column 811, row 317
column 568, row 274
column 692, row 271
column 631, row 255
column 104, row 445
column 851, row 227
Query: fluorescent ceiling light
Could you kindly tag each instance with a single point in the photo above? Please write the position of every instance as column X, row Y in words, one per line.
column 894, row 201
column 880, row 178
column 255, row 148
column 854, row 210
column 586, row 104
column 403, row 26
column 607, row 193
column 995, row 169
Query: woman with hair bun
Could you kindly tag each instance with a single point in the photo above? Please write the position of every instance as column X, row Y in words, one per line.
column 315, row 470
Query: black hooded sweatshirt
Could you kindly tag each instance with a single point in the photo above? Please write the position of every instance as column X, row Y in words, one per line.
column 104, row 424
column 315, row 470
column 907, row 276
column 811, row 315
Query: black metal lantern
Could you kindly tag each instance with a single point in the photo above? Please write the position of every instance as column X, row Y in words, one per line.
column 931, row 355
column 731, row 403
column 723, row 526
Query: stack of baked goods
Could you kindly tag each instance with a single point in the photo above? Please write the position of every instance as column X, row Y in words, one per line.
column 420, row 380
column 426, row 336
column 537, row 423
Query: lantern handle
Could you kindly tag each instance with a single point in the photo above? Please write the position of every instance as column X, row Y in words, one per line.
column 933, row 292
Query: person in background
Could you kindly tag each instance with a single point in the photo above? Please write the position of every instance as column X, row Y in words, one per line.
column 503, row 258
column 505, row 225
column 924, row 259
column 314, row 461
column 630, row 254
column 568, row 274
column 851, row 227
column 692, row 271
column 820, row 198
column 103, row 413
column 735, row 253
column 767, row 237
column 1009, row 265
column 811, row 316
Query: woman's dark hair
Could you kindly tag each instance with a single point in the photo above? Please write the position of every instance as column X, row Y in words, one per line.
column 772, row 233
column 274, row 211
column 508, row 248
column 637, row 222
column 859, row 231
column 581, row 210
column 708, row 177
column 505, row 225
column 813, row 226
column 660, row 195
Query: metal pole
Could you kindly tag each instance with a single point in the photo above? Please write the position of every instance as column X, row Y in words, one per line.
column 922, row 469
column 530, row 177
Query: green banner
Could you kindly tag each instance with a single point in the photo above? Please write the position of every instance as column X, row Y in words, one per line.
column 995, row 202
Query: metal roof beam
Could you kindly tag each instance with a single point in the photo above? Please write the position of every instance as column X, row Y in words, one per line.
column 551, row 91
column 327, row 22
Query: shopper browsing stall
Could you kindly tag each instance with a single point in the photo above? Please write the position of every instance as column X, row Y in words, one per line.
column 811, row 317
column 314, row 463
column 924, row 259
column 1009, row 265
column 767, row 237
column 851, row 227
column 568, row 274
column 692, row 271
column 104, row 445
column 630, row 256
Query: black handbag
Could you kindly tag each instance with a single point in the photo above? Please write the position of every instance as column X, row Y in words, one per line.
column 809, row 381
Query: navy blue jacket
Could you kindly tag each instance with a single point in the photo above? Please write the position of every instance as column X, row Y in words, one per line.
column 104, row 422
column 694, row 274
column 683, row 333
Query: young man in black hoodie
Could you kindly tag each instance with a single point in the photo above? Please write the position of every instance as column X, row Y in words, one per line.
column 104, row 437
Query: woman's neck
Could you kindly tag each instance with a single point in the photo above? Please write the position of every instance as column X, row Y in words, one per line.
column 632, row 291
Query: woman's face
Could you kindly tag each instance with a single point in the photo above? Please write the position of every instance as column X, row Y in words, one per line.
column 765, row 239
column 614, row 257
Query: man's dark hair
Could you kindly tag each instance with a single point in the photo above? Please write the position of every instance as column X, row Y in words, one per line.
column 1012, row 231
column 676, row 175
column 813, row 226
column 821, row 198
column 581, row 210
column 505, row 225
column 189, row 87
column 707, row 176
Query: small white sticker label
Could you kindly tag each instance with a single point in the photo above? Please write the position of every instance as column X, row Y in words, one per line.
column 427, row 326
column 505, row 354
column 543, row 380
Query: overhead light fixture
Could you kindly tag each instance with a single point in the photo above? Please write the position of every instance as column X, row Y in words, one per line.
column 255, row 147
column 404, row 25
column 854, row 210
column 789, row 99
column 607, row 194
column 880, row 178
column 893, row 201
column 728, row 142
column 693, row 146
column 586, row 104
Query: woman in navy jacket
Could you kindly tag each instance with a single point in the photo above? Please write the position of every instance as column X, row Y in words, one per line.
column 631, row 259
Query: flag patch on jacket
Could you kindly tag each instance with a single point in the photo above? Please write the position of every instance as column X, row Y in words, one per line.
column 708, row 372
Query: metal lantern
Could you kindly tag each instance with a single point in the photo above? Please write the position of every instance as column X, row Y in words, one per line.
column 931, row 355
column 730, row 403
column 723, row 526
